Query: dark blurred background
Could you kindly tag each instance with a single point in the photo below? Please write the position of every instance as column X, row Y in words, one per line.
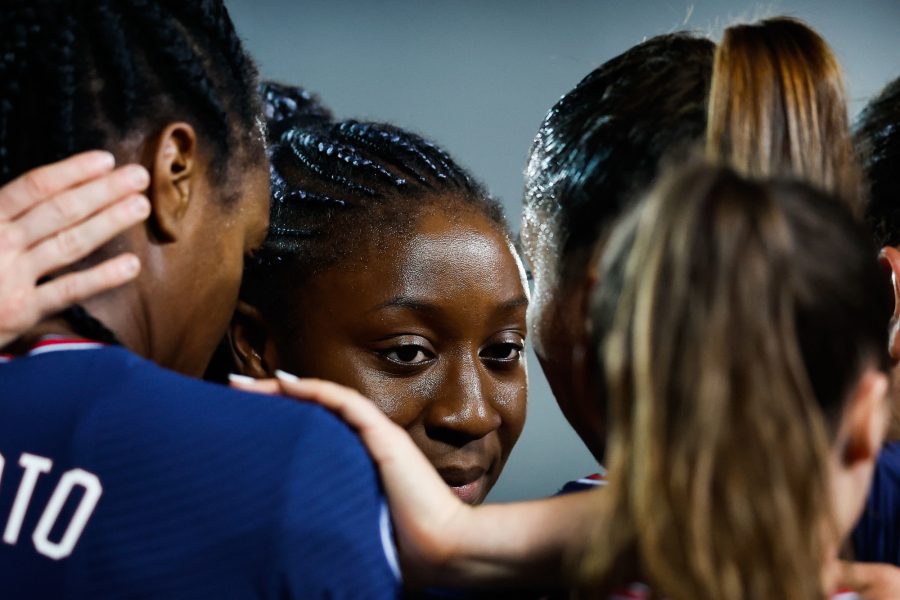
column 477, row 76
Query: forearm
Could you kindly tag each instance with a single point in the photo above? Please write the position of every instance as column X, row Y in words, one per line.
column 443, row 542
column 526, row 544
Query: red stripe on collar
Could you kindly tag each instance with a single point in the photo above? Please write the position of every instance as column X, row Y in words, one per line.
column 56, row 344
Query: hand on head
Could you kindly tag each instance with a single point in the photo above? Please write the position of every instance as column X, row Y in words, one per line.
column 52, row 217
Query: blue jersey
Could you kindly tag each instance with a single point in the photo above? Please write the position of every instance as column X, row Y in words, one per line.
column 120, row 479
column 877, row 535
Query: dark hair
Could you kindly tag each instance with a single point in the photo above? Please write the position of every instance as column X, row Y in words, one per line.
column 734, row 320
column 339, row 185
column 604, row 141
column 286, row 106
column 82, row 74
column 878, row 143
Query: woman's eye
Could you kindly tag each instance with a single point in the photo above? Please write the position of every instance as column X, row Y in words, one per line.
column 408, row 355
column 507, row 352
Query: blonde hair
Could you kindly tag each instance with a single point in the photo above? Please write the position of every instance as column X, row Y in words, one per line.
column 777, row 107
column 717, row 325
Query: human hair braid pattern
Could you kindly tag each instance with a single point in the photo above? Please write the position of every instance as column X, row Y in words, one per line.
column 77, row 74
column 83, row 74
column 339, row 184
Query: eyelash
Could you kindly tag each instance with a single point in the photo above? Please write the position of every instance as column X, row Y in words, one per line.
column 517, row 348
column 429, row 356
column 386, row 354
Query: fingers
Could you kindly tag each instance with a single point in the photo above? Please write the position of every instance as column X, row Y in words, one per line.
column 75, row 243
column 354, row 408
column 37, row 185
column 351, row 406
column 871, row 580
column 73, row 205
column 259, row 386
column 73, row 288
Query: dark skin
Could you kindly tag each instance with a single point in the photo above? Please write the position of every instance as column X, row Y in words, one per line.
column 557, row 318
column 432, row 329
column 191, row 250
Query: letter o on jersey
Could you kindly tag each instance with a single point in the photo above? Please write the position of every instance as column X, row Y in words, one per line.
column 92, row 492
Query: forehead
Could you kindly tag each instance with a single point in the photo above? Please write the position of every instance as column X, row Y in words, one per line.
column 452, row 262
column 461, row 252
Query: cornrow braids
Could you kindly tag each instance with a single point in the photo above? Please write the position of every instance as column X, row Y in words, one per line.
column 82, row 74
column 288, row 106
column 77, row 74
column 339, row 186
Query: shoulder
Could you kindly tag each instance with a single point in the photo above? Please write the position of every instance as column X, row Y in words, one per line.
column 218, row 409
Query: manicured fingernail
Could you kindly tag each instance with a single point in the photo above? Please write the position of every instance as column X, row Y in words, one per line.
column 139, row 206
column 285, row 376
column 131, row 266
column 138, row 176
column 102, row 159
column 235, row 378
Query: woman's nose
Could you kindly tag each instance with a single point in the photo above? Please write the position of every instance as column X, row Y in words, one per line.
column 462, row 409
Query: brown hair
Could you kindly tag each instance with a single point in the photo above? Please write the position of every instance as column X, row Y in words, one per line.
column 777, row 107
column 734, row 319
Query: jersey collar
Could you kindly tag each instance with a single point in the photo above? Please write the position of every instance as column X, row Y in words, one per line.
column 55, row 343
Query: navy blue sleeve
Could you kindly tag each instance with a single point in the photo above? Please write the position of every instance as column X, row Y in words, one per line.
column 336, row 549
column 877, row 535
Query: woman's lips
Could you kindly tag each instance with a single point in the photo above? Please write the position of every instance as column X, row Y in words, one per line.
column 467, row 483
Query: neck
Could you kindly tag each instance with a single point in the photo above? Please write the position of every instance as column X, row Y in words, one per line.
column 129, row 326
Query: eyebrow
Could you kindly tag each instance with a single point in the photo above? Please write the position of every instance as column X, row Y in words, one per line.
column 422, row 305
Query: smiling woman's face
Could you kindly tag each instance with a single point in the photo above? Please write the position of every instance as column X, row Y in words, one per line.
column 432, row 329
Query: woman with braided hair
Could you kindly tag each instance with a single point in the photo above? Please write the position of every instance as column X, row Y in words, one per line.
column 389, row 269
column 120, row 476
column 53, row 216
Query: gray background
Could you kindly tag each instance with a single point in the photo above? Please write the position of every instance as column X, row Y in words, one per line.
column 477, row 76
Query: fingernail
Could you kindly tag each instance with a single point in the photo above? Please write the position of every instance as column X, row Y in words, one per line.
column 285, row 376
column 138, row 176
column 139, row 205
column 235, row 378
column 131, row 265
column 103, row 159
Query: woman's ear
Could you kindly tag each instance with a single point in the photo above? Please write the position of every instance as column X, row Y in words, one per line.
column 252, row 347
column 889, row 257
column 865, row 419
column 173, row 170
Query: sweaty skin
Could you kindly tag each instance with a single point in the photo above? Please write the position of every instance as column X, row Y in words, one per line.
column 556, row 320
column 191, row 248
column 53, row 216
column 431, row 327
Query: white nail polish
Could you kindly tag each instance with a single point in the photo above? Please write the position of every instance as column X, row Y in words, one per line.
column 235, row 378
column 285, row 376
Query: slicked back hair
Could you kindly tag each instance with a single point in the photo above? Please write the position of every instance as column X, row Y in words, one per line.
column 878, row 144
column 604, row 141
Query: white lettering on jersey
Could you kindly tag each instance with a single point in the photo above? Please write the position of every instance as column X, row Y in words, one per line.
column 33, row 467
column 92, row 492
